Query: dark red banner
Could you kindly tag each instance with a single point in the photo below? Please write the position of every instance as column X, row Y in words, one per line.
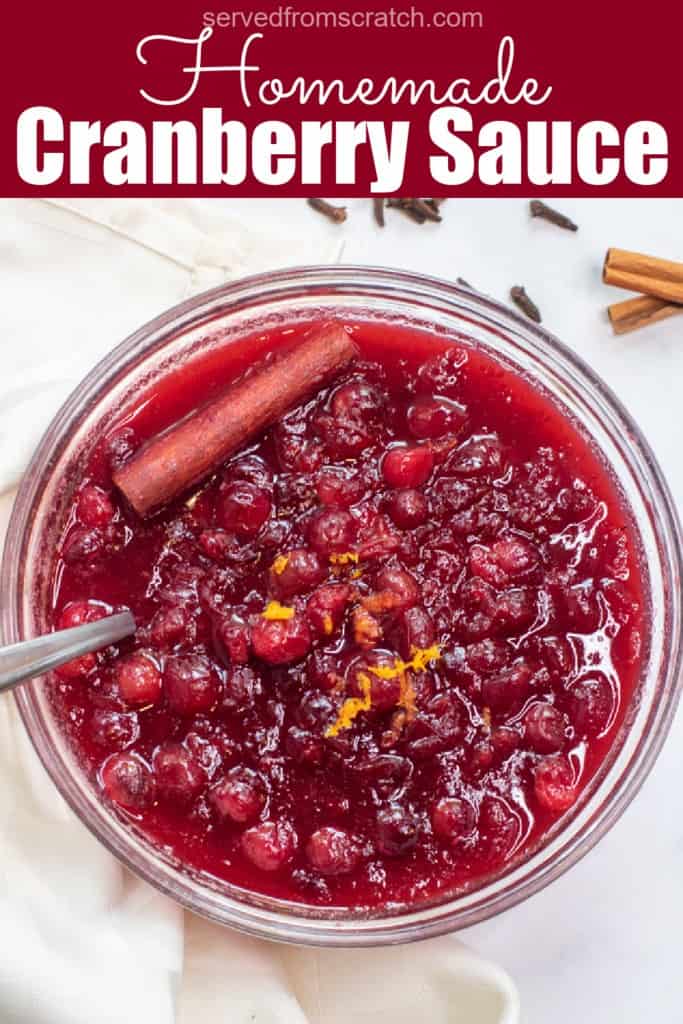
column 450, row 98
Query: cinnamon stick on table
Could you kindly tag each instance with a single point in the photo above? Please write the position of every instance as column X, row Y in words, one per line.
column 646, row 274
column 640, row 311
column 195, row 446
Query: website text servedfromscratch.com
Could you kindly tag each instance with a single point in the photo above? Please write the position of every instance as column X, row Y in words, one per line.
column 289, row 17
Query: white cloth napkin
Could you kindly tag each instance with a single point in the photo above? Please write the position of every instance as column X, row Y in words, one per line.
column 84, row 941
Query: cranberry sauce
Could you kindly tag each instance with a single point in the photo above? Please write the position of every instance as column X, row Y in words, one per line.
column 380, row 653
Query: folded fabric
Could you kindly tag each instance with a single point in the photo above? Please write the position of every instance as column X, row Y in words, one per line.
column 85, row 941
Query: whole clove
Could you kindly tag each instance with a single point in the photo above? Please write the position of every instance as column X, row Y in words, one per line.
column 545, row 212
column 333, row 213
column 522, row 301
column 378, row 206
column 419, row 210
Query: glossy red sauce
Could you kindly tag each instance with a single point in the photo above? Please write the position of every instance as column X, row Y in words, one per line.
column 464, row 631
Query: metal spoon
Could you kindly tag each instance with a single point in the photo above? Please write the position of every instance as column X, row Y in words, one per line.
column 26, row 660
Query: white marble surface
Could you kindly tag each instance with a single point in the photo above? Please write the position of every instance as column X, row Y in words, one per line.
column 602, row 943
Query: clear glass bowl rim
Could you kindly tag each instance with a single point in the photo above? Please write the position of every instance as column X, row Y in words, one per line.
column 273, row 919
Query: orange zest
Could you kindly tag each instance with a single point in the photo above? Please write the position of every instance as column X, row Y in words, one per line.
column 276, row 612
column 352, row 707
column 328, row 625
column 280, row 564
column 344, row 557
column 421, row 657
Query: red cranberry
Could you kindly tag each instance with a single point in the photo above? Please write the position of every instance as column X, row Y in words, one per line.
column 344, row 438
column 94, row 507
column 326, row 607
column 479, row 456
column 128, row 781
column 302, row 571
column 357, row 400
column 441, row 373
column 554, row 784
column 401, row 585
column 243, row 508
column 139, row 679
column 332, row 530
column 591, row 705
column 505, row 740
column 271, row 845
column 78, row 613
column 190, row 684
column 488, row 656
column 516, row 609
column 332, row 851
column 515, row 555
column 415, row 629
column 545, row 728
column 408, row 508
column 179, row 777
column 114, row 730
column 171, row 626
column 241, row 688
column 339, row 487
column 429, row 417
column 234, row 638
column 507, row 688
column 83, row 546
column 407, row 465
column 484, row 564
column 397, row 830
column 303, row 746
column 379, row 540
column 218, row 545
column 453, row 819
column 240, row 796
column 281, row 641
column 385, row 693
column 499, row 828
column 315, row 712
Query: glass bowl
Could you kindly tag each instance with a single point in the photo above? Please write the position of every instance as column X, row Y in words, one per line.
column 227, row 313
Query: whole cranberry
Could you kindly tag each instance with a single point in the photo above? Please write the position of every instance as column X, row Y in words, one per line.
column 339, row 487
column 499, row 828
column 114, row 730
column 77, row 668
column 119, row 447
column 397, row 830
column 516, row 609
column 326, row 607
column 94, row 507
column 315, row 712
column 515, row 555
column 233, row 639
column 545, row 728
column 488, row 655
column 302, row 571
column 240, row 796
column 407, row 465
column 332, row 851
column 303, row 746
column 271, row 845
column 554, row 783
column 190, row 684
column 281, row 641
column 478, row 457
column 431, row 417
column 77, row 613
column 408, row 508
column 139, row 679
column 83, row 546
column 414, row 629
column 179, row 777
column 128, row 781
column 241, row 688
column 591, row 705
column 453, row 819
column 401, row 585
column 507, row 688
column 172, row 626
column 358, row 400
column 332, row 530
column 243, row 508
column 385, row 688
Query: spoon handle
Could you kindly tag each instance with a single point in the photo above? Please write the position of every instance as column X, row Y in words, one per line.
column 30, row 658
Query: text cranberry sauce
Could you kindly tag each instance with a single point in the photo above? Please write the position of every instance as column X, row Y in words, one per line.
column 381, row 652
